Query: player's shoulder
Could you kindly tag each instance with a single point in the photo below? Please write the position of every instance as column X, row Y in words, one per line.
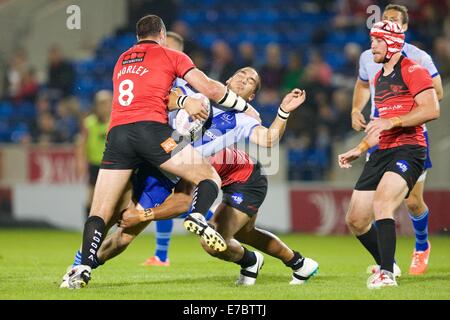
column 413, row 52
column 366, row 54
column 410, row 64
column 172, row 53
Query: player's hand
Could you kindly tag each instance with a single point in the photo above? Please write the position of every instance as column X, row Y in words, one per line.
column 293, row 100
column 130, row 218
column 377, row 125
column 345, row 159
column 196, row 108
column 358, row 121
column 253, row 113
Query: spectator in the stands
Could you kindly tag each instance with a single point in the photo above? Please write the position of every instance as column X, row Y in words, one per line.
column 341, row 104
column 273, row 70
column 246, row 55
column 29, row 87
column 221, row 67
column 67, row 121
column 293, row 77
column 61, row 74
column 15, row 70
column 441, row 54
column 44, row 131
column 183, row 30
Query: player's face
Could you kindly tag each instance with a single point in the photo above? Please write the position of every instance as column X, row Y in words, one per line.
column 395, row 16
column 379, row 49
column 173, row 44
column 244, row 83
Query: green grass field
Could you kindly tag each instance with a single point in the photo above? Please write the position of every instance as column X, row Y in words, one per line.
column 33, row 262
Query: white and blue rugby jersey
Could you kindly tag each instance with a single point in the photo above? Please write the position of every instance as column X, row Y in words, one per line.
column 222, row 130
column 368, row 68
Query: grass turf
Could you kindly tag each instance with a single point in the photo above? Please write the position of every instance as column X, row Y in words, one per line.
column 32, row 263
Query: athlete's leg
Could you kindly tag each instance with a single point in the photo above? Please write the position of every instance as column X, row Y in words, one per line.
column 265, row 241
column 418, row 213
column 228, row 221
column 390, row 193
column 191, row 166
column 359, row 219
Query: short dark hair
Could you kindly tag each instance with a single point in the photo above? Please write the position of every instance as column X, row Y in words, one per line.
column 176, row 37
column 149, row 26
column 402, row 9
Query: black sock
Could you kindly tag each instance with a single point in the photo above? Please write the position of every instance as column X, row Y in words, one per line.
column 248, row 259
column 370, row 241
column 93, row 235
column 205, row 194
column 386, row 243
column 296, row 262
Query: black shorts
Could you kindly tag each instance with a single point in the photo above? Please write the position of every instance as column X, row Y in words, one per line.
column 93, row 173
column 408, row 161
column 247, row 196
column 129, row 145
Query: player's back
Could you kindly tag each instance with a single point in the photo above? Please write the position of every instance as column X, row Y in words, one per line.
column 142, row 79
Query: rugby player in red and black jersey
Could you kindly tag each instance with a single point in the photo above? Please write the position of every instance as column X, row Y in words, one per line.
column 405, row 99
column 138, row 132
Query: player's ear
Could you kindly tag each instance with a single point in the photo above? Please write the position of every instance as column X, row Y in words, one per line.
column 252, row 96
column 405, row 27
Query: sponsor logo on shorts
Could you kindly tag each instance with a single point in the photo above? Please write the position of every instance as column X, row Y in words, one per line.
column 403, row 165
column 237, row 198
column 169, row 145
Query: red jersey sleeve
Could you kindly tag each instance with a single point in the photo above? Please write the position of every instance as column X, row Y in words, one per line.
column 416, row 78
column 183, row 64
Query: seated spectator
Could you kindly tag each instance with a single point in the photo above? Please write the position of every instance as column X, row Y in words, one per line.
column 441, row 54
column 15, row 71
column 246, row 54
column 273, row 70
column 222, row 66
column 293, row 77
column 28, row 88
column 341, row 104
column 61, row 75
column 44, row 131
column 67, row 122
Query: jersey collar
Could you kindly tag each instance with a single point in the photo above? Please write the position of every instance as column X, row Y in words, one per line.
column 147, row 41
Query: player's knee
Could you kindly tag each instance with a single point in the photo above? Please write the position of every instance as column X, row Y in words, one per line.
column 414, row 203
column 207, row 174
column 356, row 223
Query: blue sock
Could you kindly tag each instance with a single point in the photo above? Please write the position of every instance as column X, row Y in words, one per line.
column 420, row 226
column 207, row 217
column 77, row 261
column 163, row 234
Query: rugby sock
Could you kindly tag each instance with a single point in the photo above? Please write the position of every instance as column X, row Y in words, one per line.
column 93, row 235
column 370, row 241
column 205, row 194
column 247, row 260
column 296, row 262
column 163, row 234
column 209, row 215
column 386, row 243
column 420, row 226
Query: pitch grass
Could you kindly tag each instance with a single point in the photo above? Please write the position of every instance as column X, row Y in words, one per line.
column 33, row 262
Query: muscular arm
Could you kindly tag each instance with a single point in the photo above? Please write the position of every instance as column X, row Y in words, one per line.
column 361, row 95
column 177, row 203
column 268, row 137
column 214, row 90
column 427, row 109
column 437, row 83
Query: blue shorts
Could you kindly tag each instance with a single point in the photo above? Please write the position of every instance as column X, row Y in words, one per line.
column 150, row 186
column 428, row 163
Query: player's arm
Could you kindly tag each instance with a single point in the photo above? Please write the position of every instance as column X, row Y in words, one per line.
column 437, row 84
column 177, row 203
column 267, row 137
column 361, row 95
column 345, row 159
column 195, row 107
column 215, row 90
column 427, row 109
